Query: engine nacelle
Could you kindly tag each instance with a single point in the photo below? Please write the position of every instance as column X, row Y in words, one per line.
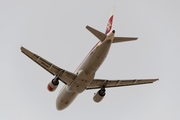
column 53, row 85
column 99, row 95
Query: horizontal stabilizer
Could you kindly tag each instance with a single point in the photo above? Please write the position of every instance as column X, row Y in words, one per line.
column 101, row 36
column 123, row 39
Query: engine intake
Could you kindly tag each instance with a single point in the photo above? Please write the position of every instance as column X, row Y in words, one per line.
column 99, row 95
column 53, row 85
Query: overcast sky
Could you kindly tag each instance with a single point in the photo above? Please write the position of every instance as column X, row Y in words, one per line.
column 55, row 30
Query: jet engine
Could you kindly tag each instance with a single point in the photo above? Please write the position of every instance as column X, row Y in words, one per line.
column 53, row 85
column 99, row 95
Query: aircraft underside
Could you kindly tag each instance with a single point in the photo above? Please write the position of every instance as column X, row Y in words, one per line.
column 83, row 78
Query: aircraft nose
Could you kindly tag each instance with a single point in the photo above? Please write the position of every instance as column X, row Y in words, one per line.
column 59, row 108
column 60, row 105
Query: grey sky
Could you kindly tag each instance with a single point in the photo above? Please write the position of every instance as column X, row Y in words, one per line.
column 55, row 30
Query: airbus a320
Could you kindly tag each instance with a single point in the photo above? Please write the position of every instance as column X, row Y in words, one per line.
column 83, row 77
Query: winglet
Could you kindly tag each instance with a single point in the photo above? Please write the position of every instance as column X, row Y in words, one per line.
column 109, row 24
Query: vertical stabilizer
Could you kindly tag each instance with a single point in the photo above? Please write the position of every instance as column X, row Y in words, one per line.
column 109, row 24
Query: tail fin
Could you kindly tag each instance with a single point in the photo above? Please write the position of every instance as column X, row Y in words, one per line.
column 101, row 36
column 109, row 24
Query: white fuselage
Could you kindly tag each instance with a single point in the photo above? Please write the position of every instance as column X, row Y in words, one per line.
column 85, row 73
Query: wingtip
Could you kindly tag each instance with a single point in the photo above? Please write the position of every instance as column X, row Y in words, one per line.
column 156, row 79
column 21, row 47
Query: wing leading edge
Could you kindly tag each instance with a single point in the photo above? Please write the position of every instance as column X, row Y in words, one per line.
column 99, row 83
column 65, row 76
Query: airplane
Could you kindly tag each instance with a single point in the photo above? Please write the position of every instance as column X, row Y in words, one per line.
column 83, row 77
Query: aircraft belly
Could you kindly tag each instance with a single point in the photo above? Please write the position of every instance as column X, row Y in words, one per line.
column 97, row 57
column 81, row 82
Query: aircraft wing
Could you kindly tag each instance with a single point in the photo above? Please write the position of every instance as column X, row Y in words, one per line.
column 65, row 76
column 99, row 83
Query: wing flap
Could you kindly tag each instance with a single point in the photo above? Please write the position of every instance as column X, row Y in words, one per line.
column 99, row 83
column 65, row 76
